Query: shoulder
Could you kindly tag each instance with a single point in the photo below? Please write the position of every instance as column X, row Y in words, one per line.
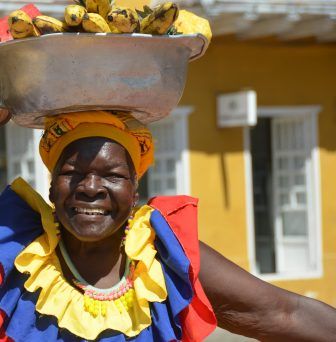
column 168, row 205
column 180, row 212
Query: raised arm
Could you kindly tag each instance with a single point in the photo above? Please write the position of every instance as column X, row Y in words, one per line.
column 248, row 306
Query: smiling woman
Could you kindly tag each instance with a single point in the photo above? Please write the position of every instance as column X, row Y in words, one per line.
column 88, row 265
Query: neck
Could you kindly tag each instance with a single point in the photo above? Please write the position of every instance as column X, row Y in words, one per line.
column 100, row 263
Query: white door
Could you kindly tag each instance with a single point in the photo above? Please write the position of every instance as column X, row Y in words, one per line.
column 291, row 150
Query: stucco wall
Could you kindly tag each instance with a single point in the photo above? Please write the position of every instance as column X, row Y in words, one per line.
column 282, row 75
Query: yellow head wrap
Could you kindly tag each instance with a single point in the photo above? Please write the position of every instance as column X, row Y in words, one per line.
column 62, row 130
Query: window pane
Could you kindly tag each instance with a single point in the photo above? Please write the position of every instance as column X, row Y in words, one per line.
column 283, row 163
column 284, row 199
column 156, row 186
column 16, row 168
column 294, row 223
column 157, row 166
column 301, row 198
column 31, row 168
column 299, row 163
column 171, row 184
column 170, row 165
column 283, row 181
column 300, row 180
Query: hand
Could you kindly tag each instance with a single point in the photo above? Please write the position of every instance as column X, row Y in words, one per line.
column 4, row 116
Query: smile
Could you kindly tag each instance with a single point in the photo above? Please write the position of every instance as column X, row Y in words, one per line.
column 89, row 211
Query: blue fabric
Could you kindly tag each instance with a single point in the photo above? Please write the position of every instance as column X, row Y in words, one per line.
column 20, row 225
column 175, row 265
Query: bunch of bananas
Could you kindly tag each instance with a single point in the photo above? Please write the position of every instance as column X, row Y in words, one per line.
column 100, row 16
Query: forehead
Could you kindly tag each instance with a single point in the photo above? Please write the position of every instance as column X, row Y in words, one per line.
column 94, row 149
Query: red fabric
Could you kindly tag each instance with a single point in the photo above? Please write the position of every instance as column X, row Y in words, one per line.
column 2, row 276
column 198, row 319
column 3, row 336
column 5, row 35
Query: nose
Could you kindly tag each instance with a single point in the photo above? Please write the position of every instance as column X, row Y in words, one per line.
column 91, row 186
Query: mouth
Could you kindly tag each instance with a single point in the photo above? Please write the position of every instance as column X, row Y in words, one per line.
column 91, row 211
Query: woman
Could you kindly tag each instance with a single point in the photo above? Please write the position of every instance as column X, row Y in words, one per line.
column 91, row 271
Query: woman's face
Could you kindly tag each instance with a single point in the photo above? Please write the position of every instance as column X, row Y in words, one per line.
column 93, row 188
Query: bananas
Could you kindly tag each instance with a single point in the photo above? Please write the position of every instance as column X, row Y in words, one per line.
column 188, row 23
column 95, row 23
column 21, row 25
column 123, row 20
column 102, row 7
column 99, row 16
column 160, row 20
column 46, row 24
column 73, row 15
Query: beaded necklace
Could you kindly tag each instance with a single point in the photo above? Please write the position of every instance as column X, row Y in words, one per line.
column 95, row 299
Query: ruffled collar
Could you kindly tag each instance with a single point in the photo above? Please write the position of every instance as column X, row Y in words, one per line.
column 58, row 298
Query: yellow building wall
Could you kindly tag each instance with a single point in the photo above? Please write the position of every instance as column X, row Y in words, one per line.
column 282, row 75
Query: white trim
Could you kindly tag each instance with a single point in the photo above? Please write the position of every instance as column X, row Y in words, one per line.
column 249, row 200
column 317, row 192
column 275, row 111
column 278, row 111
column 184, row 111
column 42, row 177
column 295, row 276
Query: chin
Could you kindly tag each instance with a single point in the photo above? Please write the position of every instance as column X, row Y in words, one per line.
column 91, row 235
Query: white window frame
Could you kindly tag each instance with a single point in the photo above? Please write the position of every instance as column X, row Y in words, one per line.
column 181, row 114
column 41, row 175
column 285, row 111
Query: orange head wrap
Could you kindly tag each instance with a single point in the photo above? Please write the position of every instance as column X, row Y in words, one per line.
column 62, row 130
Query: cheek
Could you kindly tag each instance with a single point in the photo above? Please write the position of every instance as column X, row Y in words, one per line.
column 60, row 190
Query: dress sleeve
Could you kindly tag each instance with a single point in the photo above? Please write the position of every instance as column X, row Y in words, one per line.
column 198, row 319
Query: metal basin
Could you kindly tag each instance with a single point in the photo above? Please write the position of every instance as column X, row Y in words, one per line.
column 67, row 72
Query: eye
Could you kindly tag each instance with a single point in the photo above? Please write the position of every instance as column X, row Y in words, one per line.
column 116, row 176
column 69, row 173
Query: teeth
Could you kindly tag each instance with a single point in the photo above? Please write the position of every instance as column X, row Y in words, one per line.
column 88, row 211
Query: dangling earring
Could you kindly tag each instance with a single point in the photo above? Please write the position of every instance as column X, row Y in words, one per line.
column 56, row 222
column 127, row 229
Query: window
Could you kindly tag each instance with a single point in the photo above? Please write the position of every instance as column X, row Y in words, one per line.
column 285, row 193
column 170, row 173
column 23, row 159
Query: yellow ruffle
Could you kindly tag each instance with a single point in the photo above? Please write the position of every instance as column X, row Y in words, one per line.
column 58, row 298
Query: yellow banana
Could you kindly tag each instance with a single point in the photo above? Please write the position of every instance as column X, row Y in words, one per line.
column 160, row 20
column 47, row 24
column 101, row 7
column 95, row 23
column 73, row 15
column 188, row 23
column 123, row 20
column 21, row 25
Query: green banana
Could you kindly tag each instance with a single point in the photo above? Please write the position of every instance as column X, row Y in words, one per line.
column 95, row 23
column 123, row 20
column 47, row 24
column 73, row 14
column 160, row 20
column 21, row 25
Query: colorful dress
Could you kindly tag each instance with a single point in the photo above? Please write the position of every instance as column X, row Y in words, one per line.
column 38, row 304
